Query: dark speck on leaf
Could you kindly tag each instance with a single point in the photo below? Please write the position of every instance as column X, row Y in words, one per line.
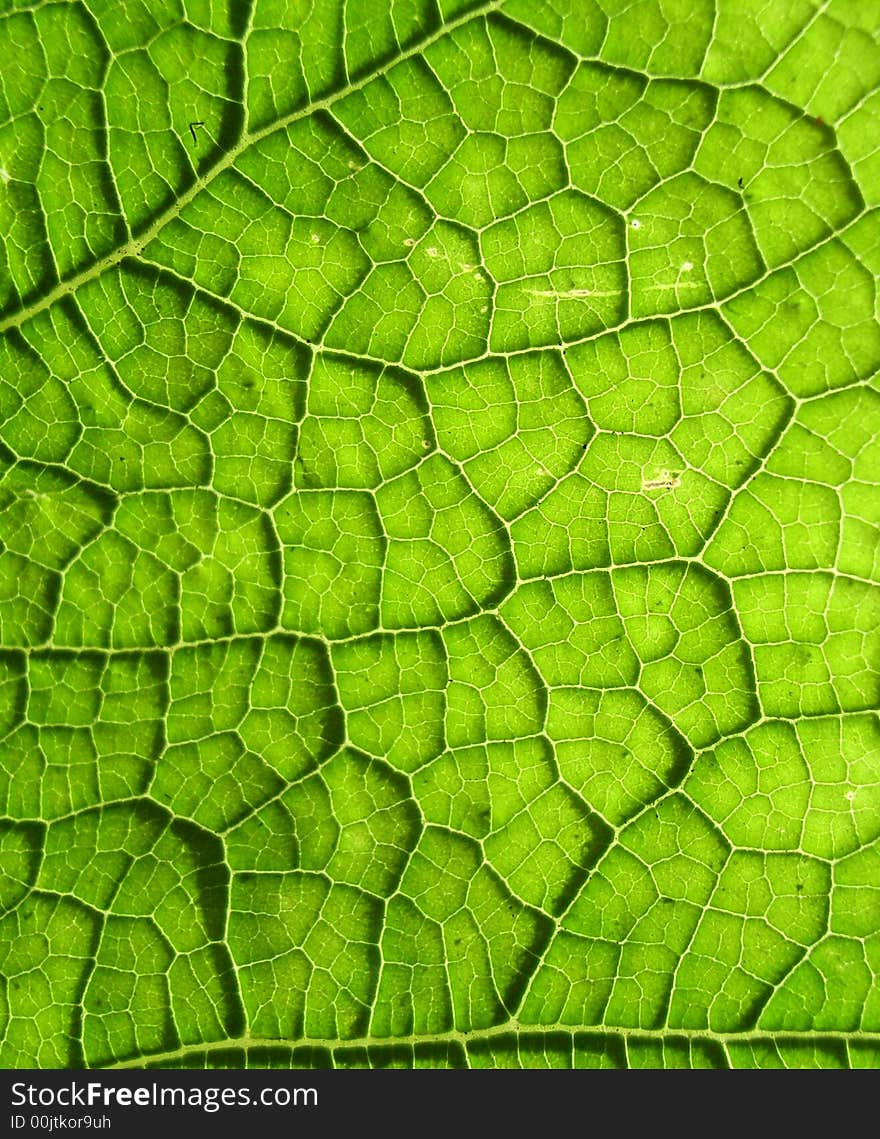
column 740, row 183
column 800, row 886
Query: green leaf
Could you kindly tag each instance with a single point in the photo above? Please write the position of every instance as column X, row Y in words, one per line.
column 439, row 533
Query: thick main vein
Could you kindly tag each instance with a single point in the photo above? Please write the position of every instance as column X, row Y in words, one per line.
column 510, row 1030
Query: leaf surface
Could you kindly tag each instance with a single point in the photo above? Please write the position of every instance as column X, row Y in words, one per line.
column 439, row 561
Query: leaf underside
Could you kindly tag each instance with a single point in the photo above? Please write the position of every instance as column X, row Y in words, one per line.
column 438, row 533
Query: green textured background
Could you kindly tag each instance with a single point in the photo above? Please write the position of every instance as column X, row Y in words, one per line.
column 439, row 533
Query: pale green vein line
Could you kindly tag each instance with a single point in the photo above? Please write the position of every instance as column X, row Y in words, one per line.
column 133, row 247
column 498, row 1032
